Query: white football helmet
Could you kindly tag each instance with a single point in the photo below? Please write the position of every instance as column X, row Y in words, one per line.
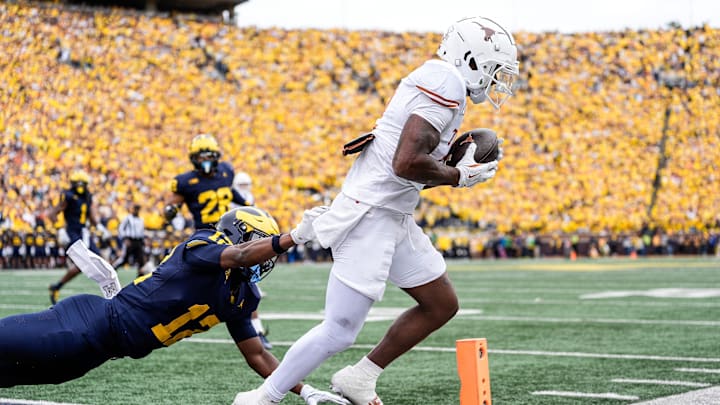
column 242, row 179
column 485, row 54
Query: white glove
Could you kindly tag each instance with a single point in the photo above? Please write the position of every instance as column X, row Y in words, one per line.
column 304, row 231
column 500, row 149
column 472, row 173
column 313, row 396
column 95, row 268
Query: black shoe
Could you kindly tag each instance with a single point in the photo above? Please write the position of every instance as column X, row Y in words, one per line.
column 266, row 343
column 54, row 293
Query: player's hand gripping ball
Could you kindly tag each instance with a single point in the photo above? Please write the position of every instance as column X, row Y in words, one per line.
column 487, row 146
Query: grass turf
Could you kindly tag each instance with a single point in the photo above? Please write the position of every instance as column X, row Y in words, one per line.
column 542, row 335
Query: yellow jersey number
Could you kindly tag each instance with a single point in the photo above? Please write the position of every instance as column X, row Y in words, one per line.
column 171, row 333
column 178, row 329
column 215, row 203
column 83, row 213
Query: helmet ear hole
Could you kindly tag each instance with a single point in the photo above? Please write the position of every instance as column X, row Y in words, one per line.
column 472, row 64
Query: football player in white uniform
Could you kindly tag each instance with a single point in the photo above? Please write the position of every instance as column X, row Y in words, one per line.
column 374, row 213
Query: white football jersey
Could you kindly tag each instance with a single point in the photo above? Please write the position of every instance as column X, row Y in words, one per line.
column 436, row 92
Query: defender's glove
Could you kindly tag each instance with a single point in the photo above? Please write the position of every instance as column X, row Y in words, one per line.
column 472, row 173
column 313, row 396
column 96, row 268
column 170, row 211
column 304, row 231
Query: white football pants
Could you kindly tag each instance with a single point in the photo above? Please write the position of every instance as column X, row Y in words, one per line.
column 345, row 314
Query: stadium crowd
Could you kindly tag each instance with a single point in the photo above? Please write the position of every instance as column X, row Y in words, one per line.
column 595, row 116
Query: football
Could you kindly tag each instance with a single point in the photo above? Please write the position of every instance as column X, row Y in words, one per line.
column 487, row 146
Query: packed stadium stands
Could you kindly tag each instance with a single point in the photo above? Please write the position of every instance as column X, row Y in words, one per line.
column 120, row 93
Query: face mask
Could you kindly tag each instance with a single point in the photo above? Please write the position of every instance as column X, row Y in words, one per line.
column 206, row 166
column 255, row 273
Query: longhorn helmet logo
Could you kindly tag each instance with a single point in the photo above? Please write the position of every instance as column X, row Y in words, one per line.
column 489, row 33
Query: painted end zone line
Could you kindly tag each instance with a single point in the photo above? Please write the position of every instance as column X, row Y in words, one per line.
column 604, row 395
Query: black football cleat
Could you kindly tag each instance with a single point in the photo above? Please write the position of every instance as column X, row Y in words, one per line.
column 54, row 293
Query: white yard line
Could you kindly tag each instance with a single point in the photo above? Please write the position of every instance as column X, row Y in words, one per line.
column 572, row 394
column 594, row 303
column 707, row 396
column 593, row 320
column 660, row 382
column 12, row 401
column 24, row 306
column 513, row 352
column 699, row 370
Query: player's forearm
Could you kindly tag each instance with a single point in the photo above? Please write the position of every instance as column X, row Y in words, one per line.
column 254, row 252
column 260, row 360
column 425, row 170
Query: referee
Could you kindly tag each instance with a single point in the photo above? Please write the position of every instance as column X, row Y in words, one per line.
column 132, row 232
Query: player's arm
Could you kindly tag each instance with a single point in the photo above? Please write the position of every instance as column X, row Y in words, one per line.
column 95, row 221
column 412, row 160
column 56, row 209
column 173, row 202
column 251, row 253
column 260, row 360
column 260, row 250
column 238, row 199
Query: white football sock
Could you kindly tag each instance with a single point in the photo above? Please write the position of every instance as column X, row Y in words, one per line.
column 369, row 368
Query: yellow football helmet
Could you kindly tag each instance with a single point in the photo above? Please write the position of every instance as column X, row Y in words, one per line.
column 79, row 180
column 204, row 153
column 245, row 224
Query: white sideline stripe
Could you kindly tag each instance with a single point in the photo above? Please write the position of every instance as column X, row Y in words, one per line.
column 624, row 303
column 699, row 370
column 706, row 396
column 604, row 395
column 502, row 351
column 23, row 306
column 12, row 401
column 594, row 320
column 661, row 382
column 376, row 314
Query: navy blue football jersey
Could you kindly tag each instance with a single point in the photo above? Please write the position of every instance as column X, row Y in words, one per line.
column 207, row 198
column 188, row 293
column 77, row 210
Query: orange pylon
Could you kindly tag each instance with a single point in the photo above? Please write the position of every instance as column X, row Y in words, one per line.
column 474, row 371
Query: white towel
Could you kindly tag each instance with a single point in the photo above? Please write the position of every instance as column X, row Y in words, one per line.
column 333, row 226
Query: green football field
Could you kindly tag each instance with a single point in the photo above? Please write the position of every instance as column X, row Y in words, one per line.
column 559, row 332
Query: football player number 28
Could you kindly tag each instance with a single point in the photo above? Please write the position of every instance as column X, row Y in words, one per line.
column 215, row 203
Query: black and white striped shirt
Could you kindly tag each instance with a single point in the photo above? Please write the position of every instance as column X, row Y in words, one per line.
column 132, row 227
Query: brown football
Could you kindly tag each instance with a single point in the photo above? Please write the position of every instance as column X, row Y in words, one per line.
column 487, row 146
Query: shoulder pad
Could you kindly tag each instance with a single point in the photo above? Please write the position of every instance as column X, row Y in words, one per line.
column 195, row 243
column 207, row 237
column 440, row 82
